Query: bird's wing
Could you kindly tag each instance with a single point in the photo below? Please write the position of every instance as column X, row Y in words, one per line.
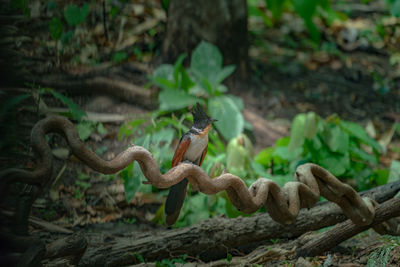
column 203, row 155
column 180, row 151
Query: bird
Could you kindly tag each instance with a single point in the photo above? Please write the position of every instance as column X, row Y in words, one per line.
column 192, row 147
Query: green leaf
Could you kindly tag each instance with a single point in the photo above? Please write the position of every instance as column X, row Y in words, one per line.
column 165, row 71
column 206, row 63
column 359, row 132
column 66, row 37
column 229, row 257
column 381, row 176
column 394, row 7
column 297, row 136
column 276, row 7
column 132, row 180
column 264, row 157
column 120, row 56
column 55, row 28
column 306, row 10
column 336, row 164
column 336, row 139
column 172, row 99
column 72, row 15
column 84, row 130
column 52, row 5
column 394, row 174
column 74, row 109
column 230, row 120
column 224, row 73
column 101, row 129
column 75, row 15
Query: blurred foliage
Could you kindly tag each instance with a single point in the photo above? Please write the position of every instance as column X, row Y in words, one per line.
column 202, row 83
column 342, row 147
column 306, row 9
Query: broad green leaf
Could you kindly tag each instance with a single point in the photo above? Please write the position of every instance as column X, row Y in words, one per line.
column 101, row 129
column 230, row 120
column 55, row 28
column 75, row 15
column 172, row 99
column 361, row 154
column 264, row 157
column 306, row 10
column 206, row 62
column 72, row 15
column 381, row 176
column 52, row 5
column 286, row 154
column 224, row 73
column 394, row 7
column 336, row 164
column 359, row 132
column 238, row 101
column 297, row 132
column 394, row 171
column 84, row 12
column 336, row 139
column 84, row 130
column 165, row 71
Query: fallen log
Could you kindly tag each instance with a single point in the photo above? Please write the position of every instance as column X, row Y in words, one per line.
column 343, row 231
column 212, row 239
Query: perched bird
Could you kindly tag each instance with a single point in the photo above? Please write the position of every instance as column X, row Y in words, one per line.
column 192, row 147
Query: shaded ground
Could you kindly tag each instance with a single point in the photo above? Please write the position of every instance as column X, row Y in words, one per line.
column 285, row 81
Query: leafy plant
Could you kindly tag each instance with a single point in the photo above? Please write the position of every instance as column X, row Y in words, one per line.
column 342, row 147
column 381, row 255
column 156, row 137
column 394, row 7
column 202, row 83
column 306, row 9
column 171, row 262
column 72, row 15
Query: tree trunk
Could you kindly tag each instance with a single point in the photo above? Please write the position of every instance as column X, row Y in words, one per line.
column 223, row 23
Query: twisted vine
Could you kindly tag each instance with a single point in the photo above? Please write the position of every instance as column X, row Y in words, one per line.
column 283, row 204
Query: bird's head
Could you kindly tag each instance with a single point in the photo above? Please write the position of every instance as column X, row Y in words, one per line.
column 201, row 120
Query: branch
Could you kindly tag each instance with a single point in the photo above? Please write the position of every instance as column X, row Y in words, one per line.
column 211, row 239
column 347, row 229
column 283, row 204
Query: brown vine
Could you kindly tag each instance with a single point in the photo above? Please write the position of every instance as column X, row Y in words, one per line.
column 283, row 204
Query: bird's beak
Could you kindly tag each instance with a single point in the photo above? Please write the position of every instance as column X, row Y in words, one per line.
column 213, row 120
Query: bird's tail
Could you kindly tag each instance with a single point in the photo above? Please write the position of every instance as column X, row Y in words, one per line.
column 175, row 200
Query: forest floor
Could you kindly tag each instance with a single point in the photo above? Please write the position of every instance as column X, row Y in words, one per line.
column 356, row 80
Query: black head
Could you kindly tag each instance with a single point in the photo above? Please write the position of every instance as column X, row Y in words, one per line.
column 200, row 118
